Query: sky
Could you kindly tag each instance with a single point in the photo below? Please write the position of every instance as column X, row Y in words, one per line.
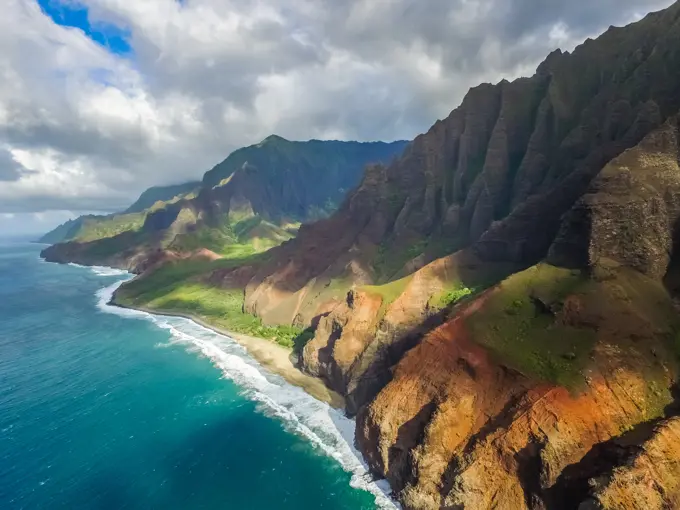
column 100, row 99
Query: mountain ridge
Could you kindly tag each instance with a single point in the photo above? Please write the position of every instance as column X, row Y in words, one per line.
column 256, row 198
column 73, row 229
column 499, row 304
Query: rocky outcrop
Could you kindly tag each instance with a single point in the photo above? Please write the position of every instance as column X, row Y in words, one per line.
column 480, row 411
column 483, row 414
column 508, row 397
column 630, row 211
column 648, row 478
column 340, row 338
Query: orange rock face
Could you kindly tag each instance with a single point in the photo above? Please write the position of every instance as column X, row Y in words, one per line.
column 457, row 429
column 341, row 338
column 650, row 480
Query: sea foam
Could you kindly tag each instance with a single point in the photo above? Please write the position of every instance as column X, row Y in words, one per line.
column 326, row 428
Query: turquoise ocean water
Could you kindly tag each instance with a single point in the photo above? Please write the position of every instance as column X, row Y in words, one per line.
column 102, row 408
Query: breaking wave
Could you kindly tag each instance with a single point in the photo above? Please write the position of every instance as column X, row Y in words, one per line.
column 326, row 428
column 102, row 270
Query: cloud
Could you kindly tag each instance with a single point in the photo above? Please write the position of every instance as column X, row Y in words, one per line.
column 10, row 169
column 86, row 128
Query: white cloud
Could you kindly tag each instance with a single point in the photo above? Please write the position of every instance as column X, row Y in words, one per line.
column 84, row 129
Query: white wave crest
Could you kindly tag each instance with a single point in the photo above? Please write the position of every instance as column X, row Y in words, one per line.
column 327, row 428
column 101, row 270
column 108, row 271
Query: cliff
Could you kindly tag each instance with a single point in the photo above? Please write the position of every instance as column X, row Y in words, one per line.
column 492, row 377
column 499, row 304
column 499, row 172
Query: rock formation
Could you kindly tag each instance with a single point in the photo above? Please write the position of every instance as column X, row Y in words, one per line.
column 499, row 305
column 490, row 401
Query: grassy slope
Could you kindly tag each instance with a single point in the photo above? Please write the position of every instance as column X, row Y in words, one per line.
column 92, row 227
column 545, row 322
column 162, row 194
column 388, row 292
column 181, row 287
column 234, row 240
column 525, row 339
column 109, row 226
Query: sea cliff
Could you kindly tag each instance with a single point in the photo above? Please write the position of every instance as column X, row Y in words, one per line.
column 498, row 306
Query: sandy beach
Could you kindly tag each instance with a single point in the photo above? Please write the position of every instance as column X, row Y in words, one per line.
column 273, row 357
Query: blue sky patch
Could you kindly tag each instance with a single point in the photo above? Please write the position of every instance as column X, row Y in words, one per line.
column 68, row 14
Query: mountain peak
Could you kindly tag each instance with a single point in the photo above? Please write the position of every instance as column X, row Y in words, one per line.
column 273, row 139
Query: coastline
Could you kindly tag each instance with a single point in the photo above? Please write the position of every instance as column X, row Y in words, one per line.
column 270, row 355
column 318, row 408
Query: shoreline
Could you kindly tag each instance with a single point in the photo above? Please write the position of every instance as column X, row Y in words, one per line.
column 270, row 355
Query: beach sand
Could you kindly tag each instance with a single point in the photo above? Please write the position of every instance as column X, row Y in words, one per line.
column 273, row 357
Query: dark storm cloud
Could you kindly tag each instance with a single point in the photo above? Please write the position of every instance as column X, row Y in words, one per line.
column 10, row 170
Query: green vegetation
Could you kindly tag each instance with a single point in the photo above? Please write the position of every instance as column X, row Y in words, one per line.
column 162, row 194
column 110, row 246
column 440, row 246
column 451, row 297
column 109, row 226
column 223, row 308
column 233, row 240
column 388, row 292
column 320, row 169
column 390, row 260
column 544, row 322
column 66, row 231
column 181, row 288
column 92, row 227
column 335, row 288
column 518, row 325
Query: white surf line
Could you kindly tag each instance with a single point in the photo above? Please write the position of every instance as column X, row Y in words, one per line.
column 326, row 428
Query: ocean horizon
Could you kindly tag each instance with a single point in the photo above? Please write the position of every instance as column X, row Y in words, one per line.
column 106, row 408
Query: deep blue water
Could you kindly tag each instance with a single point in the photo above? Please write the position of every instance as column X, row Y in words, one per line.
column 106, row 409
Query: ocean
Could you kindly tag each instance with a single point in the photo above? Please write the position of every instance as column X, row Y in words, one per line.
column 104, row 408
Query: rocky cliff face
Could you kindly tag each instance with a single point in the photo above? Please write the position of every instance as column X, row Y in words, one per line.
column 488, row 378
column 496, row 406
column 499, row 305
column 648, row 477
column 499, row 172
column 504, row 395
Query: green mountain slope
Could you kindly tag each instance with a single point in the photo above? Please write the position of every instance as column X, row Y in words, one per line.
column 162, row 194
column 91, row 227
column 256, row 199
column 301, row 179
column 66, row 231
